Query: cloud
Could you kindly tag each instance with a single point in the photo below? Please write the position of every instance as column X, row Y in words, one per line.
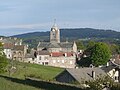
column 26, row 26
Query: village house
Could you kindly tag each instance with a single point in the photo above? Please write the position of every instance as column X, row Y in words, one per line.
column 57, row 59
column 80, row 75
column 13, row 48
column 113, row 68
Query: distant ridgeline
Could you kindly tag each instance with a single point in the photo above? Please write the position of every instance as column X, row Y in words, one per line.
column 76, row 33
column 70, row 34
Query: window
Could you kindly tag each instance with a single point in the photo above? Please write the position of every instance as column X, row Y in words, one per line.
column 40, row 58
column 71, row 62
column 19, row 53
column 63, row 61
column 116, row 77
column 54, row 61
column 32, row 59
column 46, row 63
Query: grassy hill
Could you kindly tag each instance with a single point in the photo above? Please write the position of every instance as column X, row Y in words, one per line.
column 34, row 70
column 16, row 81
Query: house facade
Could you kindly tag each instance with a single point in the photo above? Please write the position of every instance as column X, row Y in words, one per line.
column 13, row 48
column 113, row 68
column 57, row 59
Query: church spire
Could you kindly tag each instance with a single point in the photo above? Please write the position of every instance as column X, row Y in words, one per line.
column 55, row 33
column 54, row 25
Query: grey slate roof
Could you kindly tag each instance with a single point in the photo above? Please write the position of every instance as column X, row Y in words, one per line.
column 66, row 44
column 44, row 52
column 108, row 68
column 43, row 44
column 55, row 45
column 9, row 40
column 29, row 56
column 85, row 74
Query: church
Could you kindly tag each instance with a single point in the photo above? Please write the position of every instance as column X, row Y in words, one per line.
column 56, row 53
column 55, row 45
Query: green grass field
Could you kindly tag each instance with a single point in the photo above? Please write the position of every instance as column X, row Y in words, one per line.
column 34, row 70
column 9, row 85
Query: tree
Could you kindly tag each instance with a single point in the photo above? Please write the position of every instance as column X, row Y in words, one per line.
column 80, row 45
column 114, row 49
column 100, row 83
column 90, row 44
column 3, row 60
column 100, row 54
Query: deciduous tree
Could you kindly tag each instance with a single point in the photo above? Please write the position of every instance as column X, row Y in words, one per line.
column 100, row 54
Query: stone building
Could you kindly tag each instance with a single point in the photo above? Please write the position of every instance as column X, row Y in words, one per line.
column 80, row 75
column 13, row 48
column 56, row 53
column 57, row 59
column 19, row 52
column 113, row 68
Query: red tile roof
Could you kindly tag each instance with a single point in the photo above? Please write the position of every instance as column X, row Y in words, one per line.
column 59, row 54
column 8, row 46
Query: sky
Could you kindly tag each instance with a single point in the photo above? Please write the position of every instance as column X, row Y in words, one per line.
column 22, row 16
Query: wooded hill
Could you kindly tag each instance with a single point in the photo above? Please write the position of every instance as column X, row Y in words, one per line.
column 76, row 33
column 71, row 34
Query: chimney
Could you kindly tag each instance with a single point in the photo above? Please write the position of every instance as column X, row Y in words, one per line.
column 93, row 74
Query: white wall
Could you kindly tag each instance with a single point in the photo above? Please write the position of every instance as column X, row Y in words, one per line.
column 8, row 53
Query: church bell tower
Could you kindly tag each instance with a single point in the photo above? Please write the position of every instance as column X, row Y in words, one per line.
column 55, row 34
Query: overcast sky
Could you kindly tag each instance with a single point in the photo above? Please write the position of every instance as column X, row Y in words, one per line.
column 20, row 16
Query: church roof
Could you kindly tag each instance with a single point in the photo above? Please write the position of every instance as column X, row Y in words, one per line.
column 55, row 45
column 43, row 44
column 66, row 44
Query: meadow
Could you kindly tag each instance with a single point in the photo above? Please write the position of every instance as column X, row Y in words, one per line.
column 16, row 80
